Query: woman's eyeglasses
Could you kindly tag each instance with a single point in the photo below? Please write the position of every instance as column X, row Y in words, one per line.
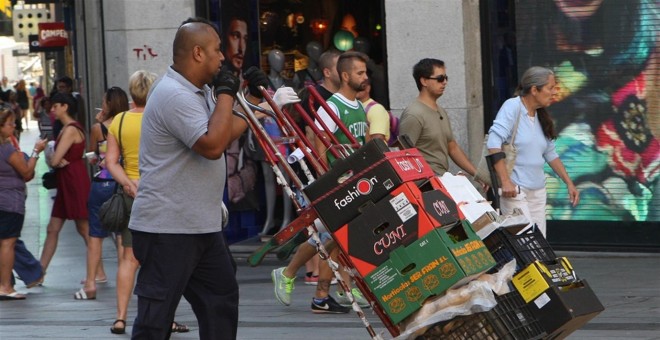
column 441, row 78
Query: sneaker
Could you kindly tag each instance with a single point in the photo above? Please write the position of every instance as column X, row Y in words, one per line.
column 283, row 286
column 329, row 306
column 343, row 300
column 312, row 280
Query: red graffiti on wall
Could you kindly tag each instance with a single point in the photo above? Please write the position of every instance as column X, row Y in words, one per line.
column 144, row 52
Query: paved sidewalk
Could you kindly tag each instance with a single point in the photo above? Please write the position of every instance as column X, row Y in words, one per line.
column 627, row 284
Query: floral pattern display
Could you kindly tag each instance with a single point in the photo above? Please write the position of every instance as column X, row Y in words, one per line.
column 607, row 112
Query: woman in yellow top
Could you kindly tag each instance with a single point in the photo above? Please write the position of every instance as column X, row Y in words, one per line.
column 128, row 177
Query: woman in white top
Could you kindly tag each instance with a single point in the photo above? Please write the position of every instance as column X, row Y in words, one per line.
column 534, row 143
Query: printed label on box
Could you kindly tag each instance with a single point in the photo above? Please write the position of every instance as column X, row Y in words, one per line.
column 440, row 207
column 382, row 277
column 542, row 300
column 403, row 208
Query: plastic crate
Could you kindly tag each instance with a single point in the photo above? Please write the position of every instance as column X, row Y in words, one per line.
column 526, row 248
column 510, row 319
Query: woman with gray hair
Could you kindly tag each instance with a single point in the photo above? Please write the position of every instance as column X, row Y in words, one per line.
column 534, row 139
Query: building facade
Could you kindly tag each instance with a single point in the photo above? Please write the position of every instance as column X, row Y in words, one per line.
column 485, row 45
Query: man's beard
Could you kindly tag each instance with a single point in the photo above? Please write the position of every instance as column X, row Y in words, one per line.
column 357, row 87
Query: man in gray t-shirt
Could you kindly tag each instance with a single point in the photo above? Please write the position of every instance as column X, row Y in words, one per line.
column 177, row 217
column 427, row 123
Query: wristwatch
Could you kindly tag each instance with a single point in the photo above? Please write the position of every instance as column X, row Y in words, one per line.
column 35, row 154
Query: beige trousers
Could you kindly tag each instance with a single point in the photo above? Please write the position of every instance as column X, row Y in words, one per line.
column 532, row 204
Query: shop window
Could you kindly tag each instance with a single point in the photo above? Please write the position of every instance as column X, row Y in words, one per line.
column 300, row 29
column 604, row 55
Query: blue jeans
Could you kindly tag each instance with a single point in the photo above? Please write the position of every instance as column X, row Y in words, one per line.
column 100, row 192
column 25, row 265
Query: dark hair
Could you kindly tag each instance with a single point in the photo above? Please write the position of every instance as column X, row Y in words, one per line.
column 117, row 101
column 537, row 76
column 6, row 114
column 65, row 98
column 424, row 69
column 346, row 59
column 45, row 99
column 235, row 17
column 66, row 80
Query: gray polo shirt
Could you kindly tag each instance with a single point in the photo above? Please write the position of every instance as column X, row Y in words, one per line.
column 180, row 192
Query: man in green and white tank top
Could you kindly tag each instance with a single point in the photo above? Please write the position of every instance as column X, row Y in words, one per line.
column 352, row 70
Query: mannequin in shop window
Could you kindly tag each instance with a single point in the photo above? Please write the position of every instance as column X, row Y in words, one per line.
column 276, row 63
column 313, row 74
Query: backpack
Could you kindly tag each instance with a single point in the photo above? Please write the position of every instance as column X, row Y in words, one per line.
column 394, row 123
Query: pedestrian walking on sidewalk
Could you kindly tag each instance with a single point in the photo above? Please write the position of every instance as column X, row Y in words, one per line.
column 27, row 267
column 23, row 100
column 124, row 139
column 352, row 70
column 71, row 176
column 115, row 101
column 525, row 116
column 177, row 216
column 15, row 170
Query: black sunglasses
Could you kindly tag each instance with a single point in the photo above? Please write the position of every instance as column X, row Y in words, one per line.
column 441, row 78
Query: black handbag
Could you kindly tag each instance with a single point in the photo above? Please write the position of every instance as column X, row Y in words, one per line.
column 115, row 213
column 48, row 180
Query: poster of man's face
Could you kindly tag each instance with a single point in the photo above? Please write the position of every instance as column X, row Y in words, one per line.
column 236, row 43
column 240, row 33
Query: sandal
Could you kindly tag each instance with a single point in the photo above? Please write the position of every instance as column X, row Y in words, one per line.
column 38, row 282
column 179, row 328
column 83, row 295
column 118, row 330
column 14, row 296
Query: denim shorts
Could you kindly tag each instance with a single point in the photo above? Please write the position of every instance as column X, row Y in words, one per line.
column 324, row 235
column 100, row 192
column 10, row 224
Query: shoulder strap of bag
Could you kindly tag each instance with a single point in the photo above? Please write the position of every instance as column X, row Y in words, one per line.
column 121, row 149
column 371, row 103
column 118, row 187
column 515, row 126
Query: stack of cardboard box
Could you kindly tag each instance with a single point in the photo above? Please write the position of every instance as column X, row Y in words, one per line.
column 410, row 235
column 398, row 227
